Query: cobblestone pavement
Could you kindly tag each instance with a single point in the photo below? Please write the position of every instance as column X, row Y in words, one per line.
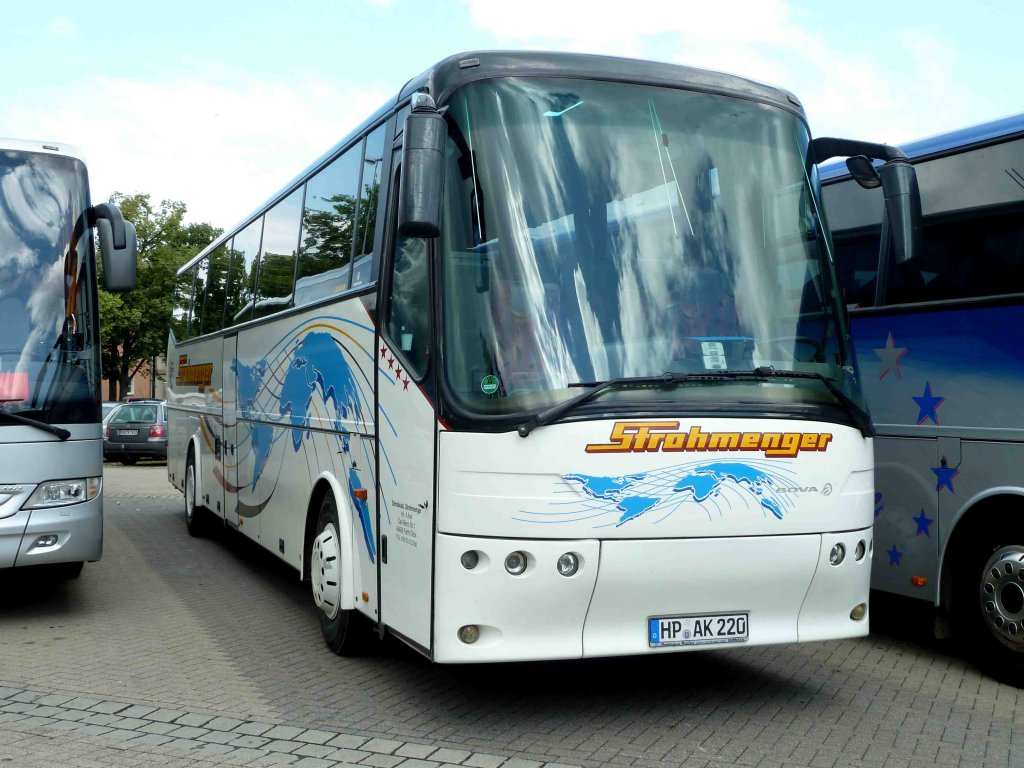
column 183, row 652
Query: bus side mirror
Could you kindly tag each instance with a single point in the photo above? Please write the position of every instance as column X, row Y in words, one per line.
column 119, row 246
column 902, row 207
column 419, row 205
column 863, row 171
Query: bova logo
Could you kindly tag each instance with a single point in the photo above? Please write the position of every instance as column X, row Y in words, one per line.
column 655, row 436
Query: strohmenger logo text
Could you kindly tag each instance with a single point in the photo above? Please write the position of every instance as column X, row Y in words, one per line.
column 654, row 436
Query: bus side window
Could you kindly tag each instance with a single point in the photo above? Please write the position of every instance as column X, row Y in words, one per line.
column 182, row 304
column 277, row 255
column 369, row 201
column 407, row 312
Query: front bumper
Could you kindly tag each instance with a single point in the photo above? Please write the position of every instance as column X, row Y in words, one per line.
column 786, row 583
column 78, row 528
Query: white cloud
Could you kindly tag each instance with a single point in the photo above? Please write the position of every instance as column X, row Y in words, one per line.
column 220, row 146
column 896, row 86
column 62, row 26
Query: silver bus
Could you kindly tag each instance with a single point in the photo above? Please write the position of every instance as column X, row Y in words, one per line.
column 547, row 359
column 940, row 340
column 51, row 441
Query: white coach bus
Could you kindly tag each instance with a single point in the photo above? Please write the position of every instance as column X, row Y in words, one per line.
column 546, row 359
column 51, row 438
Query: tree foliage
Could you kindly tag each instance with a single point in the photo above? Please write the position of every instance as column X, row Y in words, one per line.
column 134, row 325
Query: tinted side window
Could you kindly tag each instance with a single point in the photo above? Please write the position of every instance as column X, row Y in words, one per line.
column 277, row 255
column 857, row 267
column 182, row 304
column 970, row 256
column 369, row 200
column 328, row 224
column 216, row 289
column 242, row 274
column 199, row 298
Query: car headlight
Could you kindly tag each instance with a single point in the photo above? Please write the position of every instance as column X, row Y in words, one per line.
column 60, row 493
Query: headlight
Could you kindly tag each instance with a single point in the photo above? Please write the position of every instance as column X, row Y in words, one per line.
column 60, row 493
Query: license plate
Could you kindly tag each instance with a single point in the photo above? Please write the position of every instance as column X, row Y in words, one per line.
column 127, row 432
column 705, row 629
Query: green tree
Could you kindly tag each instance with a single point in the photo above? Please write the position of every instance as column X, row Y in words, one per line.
column 134, row 325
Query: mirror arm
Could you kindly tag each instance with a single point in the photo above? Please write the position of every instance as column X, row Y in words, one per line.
column 112, row 214
column 825, row 148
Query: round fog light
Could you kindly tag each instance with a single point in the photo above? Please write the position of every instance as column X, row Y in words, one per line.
column 859, row 611
column 515, row 563
column 858, row 553
column 837, row 555
column 470, row 559
column 469, row 634
column 568, row 564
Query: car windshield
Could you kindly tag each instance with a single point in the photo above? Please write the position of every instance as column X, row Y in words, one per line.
column 596, row 230
column 49, row 362
column 126, row 414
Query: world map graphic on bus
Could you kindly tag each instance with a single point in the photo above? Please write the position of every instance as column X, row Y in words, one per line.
column 315, row 372
column 715, row 489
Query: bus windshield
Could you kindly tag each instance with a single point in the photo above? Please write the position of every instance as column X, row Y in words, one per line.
column 49, row 366
column 596, row 230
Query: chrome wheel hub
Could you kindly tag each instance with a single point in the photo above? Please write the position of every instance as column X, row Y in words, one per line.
column 1002, row 596
column 325, row 570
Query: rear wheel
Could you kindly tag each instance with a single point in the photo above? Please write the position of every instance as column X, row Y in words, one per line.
column 990, row 604
column 346, row 632
column 196, row 516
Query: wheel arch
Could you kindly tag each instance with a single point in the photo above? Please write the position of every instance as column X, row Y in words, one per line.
column 328, row 483
column 969, row 523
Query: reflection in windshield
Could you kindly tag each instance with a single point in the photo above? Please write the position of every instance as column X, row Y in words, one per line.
column 48, row 361
column 597, row 230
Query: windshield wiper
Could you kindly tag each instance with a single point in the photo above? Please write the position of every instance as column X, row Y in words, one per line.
column 555, row 412
column 859, row 417
column 17, row 418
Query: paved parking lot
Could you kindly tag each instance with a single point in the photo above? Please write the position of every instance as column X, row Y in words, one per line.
column 176, row 651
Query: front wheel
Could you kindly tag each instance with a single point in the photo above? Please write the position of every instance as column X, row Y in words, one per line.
column 196, row 516
column 991, row 607
column 345, row 631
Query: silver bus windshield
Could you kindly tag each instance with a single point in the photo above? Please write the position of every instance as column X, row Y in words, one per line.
column 597, row 230
column 49, row 361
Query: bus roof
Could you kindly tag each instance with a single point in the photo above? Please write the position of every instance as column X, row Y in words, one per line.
column 44, row 147
column 444, row 77
column 992, row 132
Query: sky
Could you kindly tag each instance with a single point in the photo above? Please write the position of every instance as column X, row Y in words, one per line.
column 220, row 103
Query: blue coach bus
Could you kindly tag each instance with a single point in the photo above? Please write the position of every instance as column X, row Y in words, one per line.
column 940, row 343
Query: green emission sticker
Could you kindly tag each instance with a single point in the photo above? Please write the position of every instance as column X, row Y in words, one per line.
column 489, row 385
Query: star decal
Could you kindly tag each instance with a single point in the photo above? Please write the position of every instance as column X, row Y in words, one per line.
column 391, row 362
column 405, row 383
column 924, row 524
column 945, row 474
column 398, row 373
column 890, row 355
column 895, row 556
column 927, row 405
column 878, row 504
column 383, row 351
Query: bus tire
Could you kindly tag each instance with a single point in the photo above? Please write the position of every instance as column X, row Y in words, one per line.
column 196, row 516
column 989, row 603
column 346, row 632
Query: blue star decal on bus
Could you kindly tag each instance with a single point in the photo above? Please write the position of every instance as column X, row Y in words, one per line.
column 927, row 404
column 945, row 474
column 890, row 355
column 895, row 556
column 924, row 524
column 878, row 504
